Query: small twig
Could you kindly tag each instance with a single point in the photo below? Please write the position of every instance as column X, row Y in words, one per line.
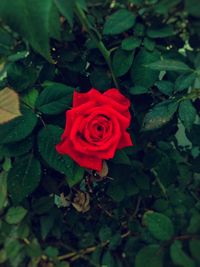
column 163, row 189
column 81, row 253
column 186, row 237
column 106, row 211
column 137, row 206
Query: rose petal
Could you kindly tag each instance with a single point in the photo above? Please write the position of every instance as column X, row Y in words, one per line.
column 82, row 98
column 125, row 141
column 115, row 95
column 86, row 161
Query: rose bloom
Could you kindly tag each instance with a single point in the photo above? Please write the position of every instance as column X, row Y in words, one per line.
column 96, row 127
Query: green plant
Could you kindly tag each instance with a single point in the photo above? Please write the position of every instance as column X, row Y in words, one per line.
column 143, row 209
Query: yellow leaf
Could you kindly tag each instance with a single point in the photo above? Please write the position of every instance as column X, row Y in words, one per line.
column 9, row 105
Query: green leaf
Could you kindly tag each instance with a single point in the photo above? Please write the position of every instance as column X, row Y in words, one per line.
column 140, row 75
column 18, row 148
column 9, row 105
column 55, row 98
column 159, row 115
column 194, row 245
column 78, row 173
column 23, row 178
column 121, row 158
column 18, row 128
column 130, row 43
column 159, row 225
column 179, row 257
column 105, row 233
column 116, row 192
column 187, row 113
column 3, row 189
column 18, row 56
column 165, row 87
column 31, row 21
column 184, row 81
column 66, row 9
column 54, row 27
column 161, row 32
column 14, row 249
column 47, row 139
column 15, row 215
column 194, row 225
column 122, row 61
column 108, row 259
column 30, row 97
column 21, row 77
column 138, row 90
column 193, row 135
column 46, row 223
column 122, row 20
column 151, row 256
column 169, row 65
column 193, row 7
column 149, row 44
column 100, row 79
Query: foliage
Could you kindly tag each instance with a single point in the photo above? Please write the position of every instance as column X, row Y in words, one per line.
column 143, row 209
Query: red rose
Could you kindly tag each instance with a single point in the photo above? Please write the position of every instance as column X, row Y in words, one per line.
column 96, row 126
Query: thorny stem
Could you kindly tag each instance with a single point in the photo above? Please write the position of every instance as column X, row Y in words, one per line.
column 94, row 36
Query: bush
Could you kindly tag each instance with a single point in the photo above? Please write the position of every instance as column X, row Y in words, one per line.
column 143, row 208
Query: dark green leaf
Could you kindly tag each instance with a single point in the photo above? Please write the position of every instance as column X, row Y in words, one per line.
column 149, row 44
column 194, row 225
column 66, row 9
column 116, row 192
column 159, row 225
column 105, row 233
column 120, row 21
column 151, row 256
column 161, row 32
column 3, row 189
column 30, row 97
column 159, row 115
column 108, row 259
column 179, row 257
column 100, row 79
column 184, row 81
column 15, row 215
column 21, row 77
column 54, row 23
column 121, row 158
column 130, row 43
column 193, row 7
column 18, row 128
column 165, row 87
column 187, row 113
column 55, row 98
column 47, row 140
column 140, row 75
column 18, row 148
column 169, row 65
column 138, row 90
column 195, row 248
column 23, row 178
column 78, row 174
column 30, row 20
column 122, row 61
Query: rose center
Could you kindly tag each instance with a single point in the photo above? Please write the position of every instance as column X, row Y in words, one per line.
column 99, row 128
